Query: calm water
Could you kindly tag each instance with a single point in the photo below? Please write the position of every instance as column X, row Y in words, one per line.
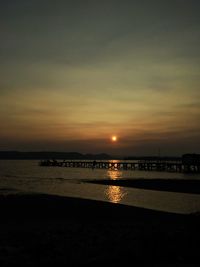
column 28, row 176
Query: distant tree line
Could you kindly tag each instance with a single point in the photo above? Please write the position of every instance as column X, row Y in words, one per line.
column 44, row 155
column 51, row 155
column 152, row 158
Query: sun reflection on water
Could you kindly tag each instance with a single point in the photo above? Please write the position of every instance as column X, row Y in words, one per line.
column 112, row 192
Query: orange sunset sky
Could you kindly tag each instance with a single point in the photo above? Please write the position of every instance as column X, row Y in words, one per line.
column 75, row 73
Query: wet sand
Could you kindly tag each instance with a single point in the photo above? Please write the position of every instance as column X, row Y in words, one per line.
column 175, row 185
column 38, row 229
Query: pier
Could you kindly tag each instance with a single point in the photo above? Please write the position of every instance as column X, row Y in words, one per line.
column 144, row 165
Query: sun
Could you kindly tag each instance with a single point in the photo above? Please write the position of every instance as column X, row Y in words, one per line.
column 114, row 138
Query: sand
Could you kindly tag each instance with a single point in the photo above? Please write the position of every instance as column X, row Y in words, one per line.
column 171, row 185
column 38, row 229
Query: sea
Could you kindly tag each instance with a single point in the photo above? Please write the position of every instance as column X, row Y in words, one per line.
column 27, row 176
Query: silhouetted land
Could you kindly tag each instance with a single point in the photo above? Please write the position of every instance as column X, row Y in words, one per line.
column 173, row 185
column 49, row 230
column 42, row 155
column 51, row 155
column 166, row 158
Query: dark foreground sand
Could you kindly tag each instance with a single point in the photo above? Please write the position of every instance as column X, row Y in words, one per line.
column 39, row 230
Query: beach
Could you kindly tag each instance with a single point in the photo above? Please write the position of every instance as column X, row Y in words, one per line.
column 38, row 229
column 170, row 185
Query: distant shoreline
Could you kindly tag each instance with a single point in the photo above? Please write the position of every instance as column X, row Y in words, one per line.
column 43, row 155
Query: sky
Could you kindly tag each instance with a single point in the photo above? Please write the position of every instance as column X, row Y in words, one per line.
column 74, row 73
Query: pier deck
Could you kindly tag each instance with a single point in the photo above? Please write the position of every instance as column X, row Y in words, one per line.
column 144, row 165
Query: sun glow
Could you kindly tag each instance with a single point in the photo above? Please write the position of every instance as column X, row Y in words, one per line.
column 114, row 138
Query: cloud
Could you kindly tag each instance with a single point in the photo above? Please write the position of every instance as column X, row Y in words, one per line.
column 81, row 71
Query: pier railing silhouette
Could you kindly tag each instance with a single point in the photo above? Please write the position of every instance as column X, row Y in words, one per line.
column 145, row 165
